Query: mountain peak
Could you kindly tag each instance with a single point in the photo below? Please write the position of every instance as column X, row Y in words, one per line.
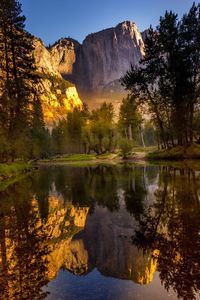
column 65, row 42
column 127, row 24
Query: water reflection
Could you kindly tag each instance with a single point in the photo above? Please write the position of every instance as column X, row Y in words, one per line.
column 171, row 226
column 124, row 221
column 23, row 245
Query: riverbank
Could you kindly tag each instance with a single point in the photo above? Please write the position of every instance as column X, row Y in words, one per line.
column 176, row 153
column 138, row 154
column 93, row 158
column 82, row 158
column 11, row 170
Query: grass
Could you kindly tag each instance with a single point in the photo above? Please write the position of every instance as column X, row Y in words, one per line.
column 81, row 157
column 75, row 157
column 176, row 153
column 147, row 149
column 13, row 169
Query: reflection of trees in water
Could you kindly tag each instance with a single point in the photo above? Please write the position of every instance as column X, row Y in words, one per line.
column 23, row 245
column 99, row 184
column 171, row 225
column 135, row 191
column 41, row 185
column 103, row 187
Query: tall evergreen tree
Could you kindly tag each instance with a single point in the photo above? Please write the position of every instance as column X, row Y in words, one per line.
column 168, row 76
column 17, row 77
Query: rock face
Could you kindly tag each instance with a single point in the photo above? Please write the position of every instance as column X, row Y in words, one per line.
column 107, row 55
column 64, row 53
column 57, row 95
column 102, row 59
column 45, row 63
column 94, row 67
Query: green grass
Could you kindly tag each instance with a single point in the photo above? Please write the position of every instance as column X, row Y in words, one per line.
column 108, row 156
column 81, row 158
column 176, row 153
column 146, row 149
column 13, row 169
column 75, row 157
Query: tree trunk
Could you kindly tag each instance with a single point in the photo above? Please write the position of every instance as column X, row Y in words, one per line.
column 142, row 138
column 130, row 134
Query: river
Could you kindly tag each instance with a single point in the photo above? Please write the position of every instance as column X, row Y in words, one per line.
column 101, row 231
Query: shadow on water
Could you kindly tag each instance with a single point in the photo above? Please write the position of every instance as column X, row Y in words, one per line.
column 126, row 222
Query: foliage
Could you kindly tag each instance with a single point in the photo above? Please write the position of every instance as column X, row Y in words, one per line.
column 170, row 228
column 129, row 118
column 99, row 133
column 176, row 153
column 67, row 135
column 149, row 133
column 40, row 136
column 14, row 169
column 126, row 148
column 167, row 76
column 18, row 112
column 24, row 239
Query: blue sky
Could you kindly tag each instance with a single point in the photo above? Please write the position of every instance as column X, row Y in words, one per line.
column 53, row 19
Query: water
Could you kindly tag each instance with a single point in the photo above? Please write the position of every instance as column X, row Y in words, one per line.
column 101, row 232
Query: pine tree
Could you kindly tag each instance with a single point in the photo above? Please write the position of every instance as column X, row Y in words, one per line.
column 17, row 75
column 168, row 76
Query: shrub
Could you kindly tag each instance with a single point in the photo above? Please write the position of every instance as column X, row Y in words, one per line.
column 126, row 147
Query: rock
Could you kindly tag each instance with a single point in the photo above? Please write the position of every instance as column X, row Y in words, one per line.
column 102, row 59
column 95, row 67
column 45, row 62
column 57, row 95
column 106, row 56
column 64, row 53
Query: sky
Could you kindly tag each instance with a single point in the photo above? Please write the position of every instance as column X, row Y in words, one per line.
column 53, row 19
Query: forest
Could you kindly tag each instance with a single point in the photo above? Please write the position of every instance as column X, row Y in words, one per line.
column 165, row 85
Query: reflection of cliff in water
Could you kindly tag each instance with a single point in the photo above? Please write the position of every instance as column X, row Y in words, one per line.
column 108, row 240
column 80, row 242
column 78, row 219
column 105, row 242
column 46, row 227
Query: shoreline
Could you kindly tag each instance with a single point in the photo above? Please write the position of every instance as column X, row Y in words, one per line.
column 178, row 156
column 12, row 170
column 140, row 159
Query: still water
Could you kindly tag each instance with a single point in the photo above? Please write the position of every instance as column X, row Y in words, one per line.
column 117, row 232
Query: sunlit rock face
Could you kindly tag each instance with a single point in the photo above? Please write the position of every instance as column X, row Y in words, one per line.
column 106, row 56
column 57, row 95
column 64, row 53
column 45, row 63
column 102, row 59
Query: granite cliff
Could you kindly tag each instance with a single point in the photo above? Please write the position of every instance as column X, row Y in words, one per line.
column 102, row 59
column 106, row 56
column 64, row 54
column 57, row 95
